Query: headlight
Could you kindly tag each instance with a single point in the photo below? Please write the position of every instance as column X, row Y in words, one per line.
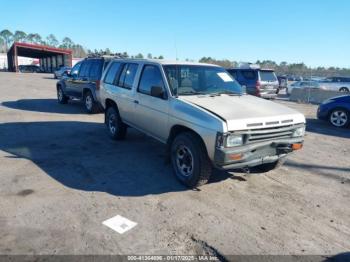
column 234, row 140
column 300, row 131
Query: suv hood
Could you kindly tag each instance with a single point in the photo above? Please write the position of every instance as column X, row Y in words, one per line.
column 246, row 112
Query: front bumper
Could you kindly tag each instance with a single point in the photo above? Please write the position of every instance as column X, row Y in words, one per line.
column 254, row 154
column 322, row 112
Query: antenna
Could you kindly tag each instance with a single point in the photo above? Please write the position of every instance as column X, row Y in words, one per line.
column 175, row 44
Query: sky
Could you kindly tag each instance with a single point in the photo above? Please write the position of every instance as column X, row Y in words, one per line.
column 314, row 32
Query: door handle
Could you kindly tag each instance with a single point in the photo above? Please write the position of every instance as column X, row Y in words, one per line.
column 136, row 102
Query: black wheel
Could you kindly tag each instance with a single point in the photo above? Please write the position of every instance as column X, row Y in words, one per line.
column 264, row 168
column 115, row 126
column 344, row 89
column 339, row 117
column 91, row 106
column 61, row 97
column 190, row 161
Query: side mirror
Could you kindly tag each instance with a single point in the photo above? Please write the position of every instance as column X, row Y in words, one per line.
column 157, row 91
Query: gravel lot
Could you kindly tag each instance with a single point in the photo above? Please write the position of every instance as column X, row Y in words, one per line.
column 61, row 177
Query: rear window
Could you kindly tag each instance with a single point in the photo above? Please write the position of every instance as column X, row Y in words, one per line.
column 96, row 69
column 126, row 79
column 112, row 73
column 267, row 76
column 85, row 67
column 249, row 74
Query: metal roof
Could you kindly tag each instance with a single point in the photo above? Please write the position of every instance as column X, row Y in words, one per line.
column 38, row 51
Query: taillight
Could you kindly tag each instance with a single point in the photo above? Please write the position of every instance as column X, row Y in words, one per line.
column 98, row 83
column 257, row 86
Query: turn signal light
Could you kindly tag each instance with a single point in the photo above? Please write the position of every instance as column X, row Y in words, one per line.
column 236, row 156
column 297, row 146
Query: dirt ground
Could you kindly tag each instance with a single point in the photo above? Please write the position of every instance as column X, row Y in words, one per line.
column 61, row 177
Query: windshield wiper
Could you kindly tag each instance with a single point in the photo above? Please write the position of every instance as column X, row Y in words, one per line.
column 227, row 92
column 192, row 93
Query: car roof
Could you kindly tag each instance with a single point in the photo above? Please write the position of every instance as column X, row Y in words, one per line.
column 251, row 69
column 163, row 62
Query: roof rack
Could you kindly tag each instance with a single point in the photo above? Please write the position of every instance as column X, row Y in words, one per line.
column 248, row 66
column 104, row 54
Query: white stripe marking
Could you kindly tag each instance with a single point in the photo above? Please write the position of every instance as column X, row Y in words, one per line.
column 119, row 224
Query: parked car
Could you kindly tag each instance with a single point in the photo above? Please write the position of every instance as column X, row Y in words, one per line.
column 282, row 82
column 258, row 82
column 29, row 69
column 302, row 85
column 83, row 82
column 341, row 84
column 200, row 112
column 62, row 70
column 335, row 110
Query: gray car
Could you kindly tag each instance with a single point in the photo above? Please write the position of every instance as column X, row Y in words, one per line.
column 61, row 71
column 83, row 82
column 200, row 112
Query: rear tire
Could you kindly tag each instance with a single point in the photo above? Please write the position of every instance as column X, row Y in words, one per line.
column 90, row 104
column 61, row 97
column 190, row 161
column 265, row 168
column 344, row 89
column 115, row 126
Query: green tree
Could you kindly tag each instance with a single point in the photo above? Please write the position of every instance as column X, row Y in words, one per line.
column 51, row 40
column 36, row 38
column 30, row 38
column 67, row 43
column 160, row 57
column 19, row 36
column 6, row 35
column 139, row 56
column 149, row 56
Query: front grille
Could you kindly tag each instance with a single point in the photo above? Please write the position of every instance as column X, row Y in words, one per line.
column 272, row 133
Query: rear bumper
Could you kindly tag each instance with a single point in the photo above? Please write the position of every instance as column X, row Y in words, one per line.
column 254, row 154
column 268, row 95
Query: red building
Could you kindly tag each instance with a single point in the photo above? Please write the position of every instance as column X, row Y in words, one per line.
column 50, row 57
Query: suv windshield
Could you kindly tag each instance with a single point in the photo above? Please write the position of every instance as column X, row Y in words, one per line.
column 267, row 76
column 194, row 79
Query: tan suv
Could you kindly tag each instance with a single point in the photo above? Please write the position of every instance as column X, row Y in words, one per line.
column 200, row 113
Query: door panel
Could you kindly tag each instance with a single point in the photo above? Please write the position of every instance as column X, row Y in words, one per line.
column 152, row 115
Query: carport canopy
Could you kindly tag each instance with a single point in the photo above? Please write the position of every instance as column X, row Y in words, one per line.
column 50, row 57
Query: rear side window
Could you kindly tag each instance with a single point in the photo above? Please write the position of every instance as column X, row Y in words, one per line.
column 95, row 69
column 249, row 74
column 233, row 73
column 151, row 76
column 127, row 76
column 85, row 68
column 112, row 73
column 267, row 76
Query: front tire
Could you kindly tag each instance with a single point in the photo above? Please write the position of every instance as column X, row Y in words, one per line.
column 344, row 89
column 339, row 117
column 61, row 97
column 190, row 161
column 115, row 126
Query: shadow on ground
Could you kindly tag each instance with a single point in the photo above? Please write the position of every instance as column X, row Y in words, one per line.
column 81, row 156
column 46, row 106
column 324, row 128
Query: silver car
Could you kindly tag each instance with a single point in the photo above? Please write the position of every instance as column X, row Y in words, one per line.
column 59, row 73
column 200, row 112
column 303, row 85
column 341, row 84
